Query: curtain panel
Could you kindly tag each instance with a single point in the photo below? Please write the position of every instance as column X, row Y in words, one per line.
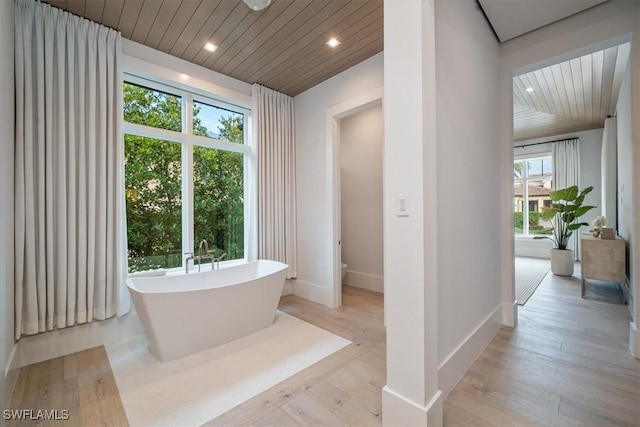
column 274, row 129
column 566, row 172
column 70, row 234
column 609, row 172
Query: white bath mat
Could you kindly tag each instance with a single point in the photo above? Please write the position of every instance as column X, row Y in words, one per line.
column 197, row 388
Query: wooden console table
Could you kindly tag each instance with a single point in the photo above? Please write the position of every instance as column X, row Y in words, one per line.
column 603, row 260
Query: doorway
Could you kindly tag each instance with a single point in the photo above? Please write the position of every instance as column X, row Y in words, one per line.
column 569, row 99
column 361, row 136
column 334, row 116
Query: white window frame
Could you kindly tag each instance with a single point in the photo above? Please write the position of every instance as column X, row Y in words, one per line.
column 188, row 140
column 525, row 187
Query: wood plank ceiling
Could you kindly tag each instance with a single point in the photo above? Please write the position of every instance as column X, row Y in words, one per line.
column 572, row 96
column 282, row 47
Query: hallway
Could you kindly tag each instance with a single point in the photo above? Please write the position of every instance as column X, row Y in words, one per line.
column 566, row 363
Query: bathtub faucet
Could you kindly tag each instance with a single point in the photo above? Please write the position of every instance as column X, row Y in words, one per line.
column 186, row 261
column 204, row 245
column 217, row 260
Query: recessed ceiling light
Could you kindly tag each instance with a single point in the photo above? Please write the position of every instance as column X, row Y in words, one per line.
column 210, row 47
column 529, row 89
column 257, row 4
column 333, row 43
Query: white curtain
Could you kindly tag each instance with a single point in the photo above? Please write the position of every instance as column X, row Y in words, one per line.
column 609, row 172
column 566, row 172
column 274, row 130
column 70, row 233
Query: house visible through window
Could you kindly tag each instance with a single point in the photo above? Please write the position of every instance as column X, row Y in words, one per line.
column 532, row 183
column 185, row 168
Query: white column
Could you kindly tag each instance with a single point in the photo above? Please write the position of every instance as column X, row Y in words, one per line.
column 411, row 396
column 507, row 273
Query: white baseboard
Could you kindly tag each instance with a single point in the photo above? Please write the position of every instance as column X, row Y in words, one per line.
column 400, row 411
column 509, row 314
column 453, row 368
column 12, row 361
column 11, row 371
column 528, row 247
column 61, row 342
column 628, row 296
column 364, row 281
column 634, row 340
column 310, row 291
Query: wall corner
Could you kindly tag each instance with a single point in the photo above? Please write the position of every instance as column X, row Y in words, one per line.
column 509, row 314
column 400, row 411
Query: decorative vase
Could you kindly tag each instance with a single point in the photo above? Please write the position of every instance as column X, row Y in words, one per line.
column 562, row 262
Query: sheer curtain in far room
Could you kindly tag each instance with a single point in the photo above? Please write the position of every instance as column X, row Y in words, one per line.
column 566, row 172
column 70, row 233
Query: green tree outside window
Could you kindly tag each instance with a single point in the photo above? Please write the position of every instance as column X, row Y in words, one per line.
column 153, row 182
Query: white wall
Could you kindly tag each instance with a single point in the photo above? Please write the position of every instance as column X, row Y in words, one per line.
column 7, row 129
column 590, row 154
column 314, row 275
column 625, row 170
column 151, row 63
column 361, row 198
column 468, row 186
column 602, row 26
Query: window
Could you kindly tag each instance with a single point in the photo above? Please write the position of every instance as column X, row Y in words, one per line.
column 532, row 183
column 218, row 123
column 186, row 161
column 153, row 182
column 218, row 200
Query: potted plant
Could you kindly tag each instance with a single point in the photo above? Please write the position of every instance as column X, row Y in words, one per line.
column 565, row 212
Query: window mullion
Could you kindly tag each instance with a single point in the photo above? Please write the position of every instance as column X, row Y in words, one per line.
column 250, row 192
column 151, row 132
column 188, row 243
column 525, row 210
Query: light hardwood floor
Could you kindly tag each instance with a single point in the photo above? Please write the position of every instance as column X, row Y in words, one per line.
column 341, row 390
column 565, row 364
column 81, row 383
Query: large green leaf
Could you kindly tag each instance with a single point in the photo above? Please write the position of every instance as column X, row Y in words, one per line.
column 549, row 213
column 575, row 226
column 558, row 194
column 586, row 191
column 583, row 210
column 568, row 194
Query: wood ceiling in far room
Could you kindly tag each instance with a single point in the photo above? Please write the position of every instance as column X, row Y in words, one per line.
column 282, row 47
column 568, row 97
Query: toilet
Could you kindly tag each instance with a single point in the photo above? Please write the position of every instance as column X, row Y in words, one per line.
column 344, row 270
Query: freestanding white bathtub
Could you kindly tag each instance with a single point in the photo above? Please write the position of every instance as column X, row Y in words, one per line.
column 188, row 313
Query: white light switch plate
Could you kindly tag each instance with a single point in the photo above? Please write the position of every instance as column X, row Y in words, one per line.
column 402, row 205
